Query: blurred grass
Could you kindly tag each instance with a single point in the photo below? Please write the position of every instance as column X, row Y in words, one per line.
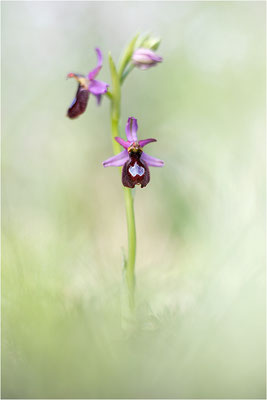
column 200, row 223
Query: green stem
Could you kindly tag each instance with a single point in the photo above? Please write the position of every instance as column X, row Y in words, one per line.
column 126, row 72
column 129, row 205
column 130, row 275
column 109, row 95
column 128, row 195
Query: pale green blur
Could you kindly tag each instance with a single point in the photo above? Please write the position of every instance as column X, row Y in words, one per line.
column 200, row 330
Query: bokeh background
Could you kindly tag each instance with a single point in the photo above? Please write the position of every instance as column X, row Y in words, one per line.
column 200, row 330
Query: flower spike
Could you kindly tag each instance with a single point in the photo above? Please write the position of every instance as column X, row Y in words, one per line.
column 86, row 85
column 135, row 162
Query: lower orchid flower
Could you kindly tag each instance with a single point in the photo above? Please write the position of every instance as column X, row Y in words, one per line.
column 134, row 161
column 87, row 85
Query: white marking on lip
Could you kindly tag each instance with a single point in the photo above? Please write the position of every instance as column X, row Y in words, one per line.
column 136, row 170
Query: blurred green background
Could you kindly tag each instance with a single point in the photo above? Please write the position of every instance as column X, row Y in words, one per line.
column 200, row 329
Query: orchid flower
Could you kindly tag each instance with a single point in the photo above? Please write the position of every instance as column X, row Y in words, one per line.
column 134, row 161
column 145, row 58
column 87, row 85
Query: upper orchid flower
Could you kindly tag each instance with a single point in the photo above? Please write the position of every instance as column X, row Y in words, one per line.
column 145, row 58
column 87, row 84
column 134, row 161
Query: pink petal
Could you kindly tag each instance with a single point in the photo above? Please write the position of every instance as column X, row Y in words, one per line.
column 143, row 143
column 98, row 87
column 96, row 70
column 152, row 161
column 117, row 161
column 131, row 129
column 122, row 142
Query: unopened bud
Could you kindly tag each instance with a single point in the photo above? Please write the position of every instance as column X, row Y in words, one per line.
column 145, row 58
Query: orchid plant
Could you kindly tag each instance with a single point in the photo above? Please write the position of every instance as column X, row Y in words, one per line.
column 135, row 163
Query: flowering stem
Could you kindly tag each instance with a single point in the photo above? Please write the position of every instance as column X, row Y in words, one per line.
column 128, row 196
column 126, row 72
column 130, row 265
column 109, row 95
